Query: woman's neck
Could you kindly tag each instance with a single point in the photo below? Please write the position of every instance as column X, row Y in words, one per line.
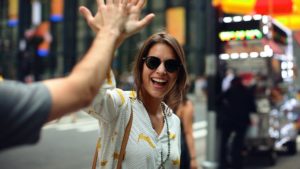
column 152, row 105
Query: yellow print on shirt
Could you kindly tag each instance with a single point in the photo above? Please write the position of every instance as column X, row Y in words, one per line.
column 147, row 139
column 103, row 163
column 116, row 155
column 113, row 136
column 99, row 143
column 119, row 91
column 176, row 162
column 172, row 136
column 91, row 110
column 109, row 78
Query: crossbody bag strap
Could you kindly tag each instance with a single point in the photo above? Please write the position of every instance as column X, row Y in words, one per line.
column 96, row 155
column 125, row 141
column 123, row 145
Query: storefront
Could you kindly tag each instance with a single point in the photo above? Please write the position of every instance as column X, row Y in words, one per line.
column 256, row 44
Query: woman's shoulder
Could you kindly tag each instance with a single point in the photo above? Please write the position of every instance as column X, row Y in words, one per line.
column 174, row 121
column 120, row 96
column 172, row 116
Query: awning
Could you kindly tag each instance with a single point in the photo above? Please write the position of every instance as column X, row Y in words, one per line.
column 286, row 12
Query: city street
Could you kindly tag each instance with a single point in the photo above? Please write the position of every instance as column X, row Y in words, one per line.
column 63, row 145
column 70, row 145
column 67, row 145
column 229, row 54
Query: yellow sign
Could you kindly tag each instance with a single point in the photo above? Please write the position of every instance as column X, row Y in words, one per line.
column 176, row 23
column 239, row 7
column 13, row 9
column 57, row 7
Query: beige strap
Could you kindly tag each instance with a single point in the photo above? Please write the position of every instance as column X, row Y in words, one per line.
column 95, row 155
column 124, row 141
column 123, row 145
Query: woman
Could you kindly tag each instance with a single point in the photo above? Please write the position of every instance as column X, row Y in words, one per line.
column 154, row 141
column 160, row 76
column 185, row 112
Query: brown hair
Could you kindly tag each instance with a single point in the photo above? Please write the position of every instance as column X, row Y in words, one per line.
column 173, row 98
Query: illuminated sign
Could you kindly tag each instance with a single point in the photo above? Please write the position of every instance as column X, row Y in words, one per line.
column 176, row 23
column 13, row 12
column 57, row 8
column 240, row 35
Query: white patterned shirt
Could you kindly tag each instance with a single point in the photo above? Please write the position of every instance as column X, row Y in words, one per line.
column 112, row 107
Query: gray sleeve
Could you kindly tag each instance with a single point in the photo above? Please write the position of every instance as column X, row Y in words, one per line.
column 23, row 111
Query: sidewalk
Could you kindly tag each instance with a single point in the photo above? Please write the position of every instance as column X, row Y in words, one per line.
column 199, row 120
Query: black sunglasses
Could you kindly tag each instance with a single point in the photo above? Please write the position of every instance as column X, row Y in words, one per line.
column 153, row 62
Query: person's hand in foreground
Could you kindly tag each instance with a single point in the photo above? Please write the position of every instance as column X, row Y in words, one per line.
column 80, row 87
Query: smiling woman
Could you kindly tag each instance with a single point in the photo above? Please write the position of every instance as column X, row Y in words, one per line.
column 160, row 77
column 172, row 49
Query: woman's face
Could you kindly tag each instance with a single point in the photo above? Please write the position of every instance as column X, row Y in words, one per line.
column 159, row 80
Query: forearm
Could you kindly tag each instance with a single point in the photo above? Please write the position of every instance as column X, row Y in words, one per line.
column 95, row 65
column 79, row 88
column 191, row 145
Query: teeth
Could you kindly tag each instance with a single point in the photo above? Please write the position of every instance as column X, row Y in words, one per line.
column 159, row 80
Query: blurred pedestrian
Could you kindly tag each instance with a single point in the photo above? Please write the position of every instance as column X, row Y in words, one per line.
column 25, row 108
column 236, row 104
column 185, row 112
column 33, row 50
column 230, row 74
column 277, row 97
column 160, row 77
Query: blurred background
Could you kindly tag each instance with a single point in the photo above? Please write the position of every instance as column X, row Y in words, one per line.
column 257, row 40
column 67, row 37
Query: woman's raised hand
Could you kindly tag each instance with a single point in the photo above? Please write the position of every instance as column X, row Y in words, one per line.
column 111, row 15
column 134, row 24
column 130, row 10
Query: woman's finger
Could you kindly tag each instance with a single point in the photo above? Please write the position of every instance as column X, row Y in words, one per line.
column 86, row 13
column 146, row 20
column 141, row 3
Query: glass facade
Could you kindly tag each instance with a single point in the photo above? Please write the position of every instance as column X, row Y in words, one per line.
column 71, row 37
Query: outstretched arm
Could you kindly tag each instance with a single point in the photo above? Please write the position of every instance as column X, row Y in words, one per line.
column 79, row 88
column 132, row 26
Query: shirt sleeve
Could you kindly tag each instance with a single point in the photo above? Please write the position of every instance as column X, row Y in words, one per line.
column 23, row 111
column 108, row 102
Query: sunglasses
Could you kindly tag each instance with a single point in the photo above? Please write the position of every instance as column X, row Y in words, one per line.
column 153, row 62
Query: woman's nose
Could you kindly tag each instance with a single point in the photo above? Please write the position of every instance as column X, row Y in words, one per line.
column 161, row 68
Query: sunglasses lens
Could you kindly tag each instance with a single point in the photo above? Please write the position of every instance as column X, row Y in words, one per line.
column 171, row 65
column 152, row 62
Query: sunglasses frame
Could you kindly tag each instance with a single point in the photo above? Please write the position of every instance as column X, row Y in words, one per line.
column 167, row 63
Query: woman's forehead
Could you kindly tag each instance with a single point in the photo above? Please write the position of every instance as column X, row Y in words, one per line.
column 162, row 50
